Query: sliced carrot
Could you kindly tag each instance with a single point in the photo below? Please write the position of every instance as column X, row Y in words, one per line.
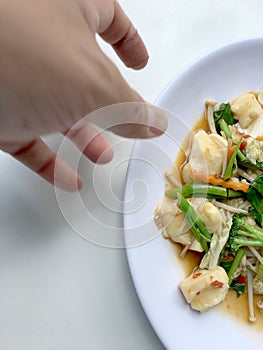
column 217, row 181
column 259, row 138
column 231, row 150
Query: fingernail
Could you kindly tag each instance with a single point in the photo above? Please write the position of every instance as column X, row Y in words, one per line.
column 106, row 156
column 66, row 178
column 79, row 183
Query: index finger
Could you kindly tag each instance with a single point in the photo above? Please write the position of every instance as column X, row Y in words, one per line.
column 125, row 40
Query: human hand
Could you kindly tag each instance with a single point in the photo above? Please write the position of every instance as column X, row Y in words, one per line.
column 53, row 73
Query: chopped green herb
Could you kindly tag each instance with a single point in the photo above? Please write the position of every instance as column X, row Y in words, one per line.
column 238, row 287
column 224, row 114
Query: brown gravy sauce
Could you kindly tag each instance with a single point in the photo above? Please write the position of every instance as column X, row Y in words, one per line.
column 235, row 307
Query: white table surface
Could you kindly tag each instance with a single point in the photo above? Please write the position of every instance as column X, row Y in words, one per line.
column 58, row 290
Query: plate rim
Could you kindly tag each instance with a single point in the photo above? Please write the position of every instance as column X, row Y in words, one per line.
column 158, row 102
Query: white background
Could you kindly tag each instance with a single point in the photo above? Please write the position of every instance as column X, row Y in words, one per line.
column 57, row 290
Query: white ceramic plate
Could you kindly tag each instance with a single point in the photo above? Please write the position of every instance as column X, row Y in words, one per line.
column 156, row 271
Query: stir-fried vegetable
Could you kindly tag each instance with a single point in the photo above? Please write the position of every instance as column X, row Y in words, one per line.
column 243, row 234
column 216, row 206
column 204, row 191
column 196, row 224
column 255, row 197
column 220, row 182
column 232, row 165
column 246, row 163
column 235, row 263
column 223, row 117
